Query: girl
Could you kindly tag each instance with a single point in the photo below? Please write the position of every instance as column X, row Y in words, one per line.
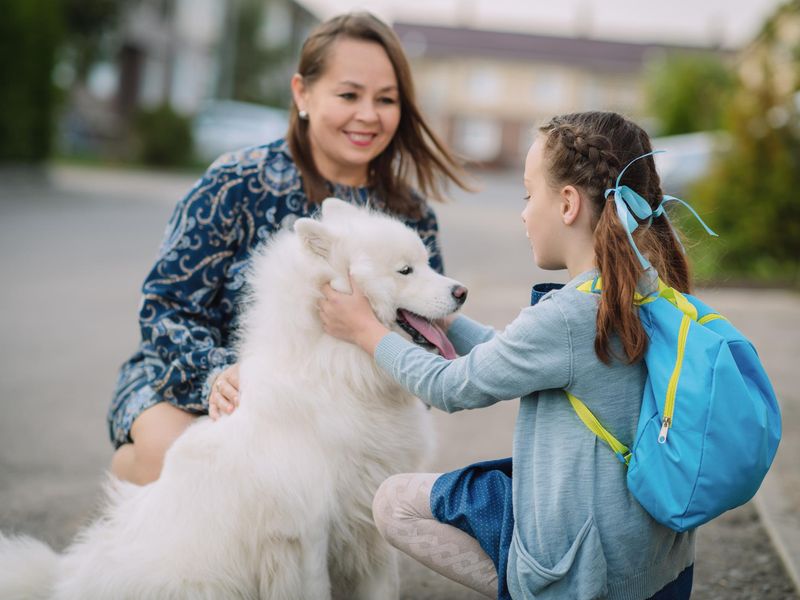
column 565, row 525
column 355, row 132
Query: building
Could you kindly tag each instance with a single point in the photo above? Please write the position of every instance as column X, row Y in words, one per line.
column 486, row 90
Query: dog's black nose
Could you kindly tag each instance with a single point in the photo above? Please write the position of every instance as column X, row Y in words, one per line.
column 459, row 293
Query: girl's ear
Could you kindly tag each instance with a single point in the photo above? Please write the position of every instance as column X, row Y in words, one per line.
column 571, row 204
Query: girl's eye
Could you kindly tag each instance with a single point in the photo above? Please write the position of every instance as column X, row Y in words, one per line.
column 388, row 101
column 526, row 197
column 347, row 96
column 407, row 270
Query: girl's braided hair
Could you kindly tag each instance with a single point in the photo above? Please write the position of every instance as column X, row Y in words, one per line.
column 588, row 150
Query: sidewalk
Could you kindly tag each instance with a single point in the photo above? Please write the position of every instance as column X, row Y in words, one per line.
column 74, row 254
column 771, row 319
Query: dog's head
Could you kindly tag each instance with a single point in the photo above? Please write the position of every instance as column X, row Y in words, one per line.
column 389, row 263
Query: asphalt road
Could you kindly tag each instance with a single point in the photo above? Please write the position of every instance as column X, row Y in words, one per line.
column 75, row 245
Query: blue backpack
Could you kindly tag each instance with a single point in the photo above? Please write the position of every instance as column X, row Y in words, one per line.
column 709, row 424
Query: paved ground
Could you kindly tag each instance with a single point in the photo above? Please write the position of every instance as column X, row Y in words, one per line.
column 74, row 247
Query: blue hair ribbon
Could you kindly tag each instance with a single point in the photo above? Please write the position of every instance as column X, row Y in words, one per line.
column 627, row 201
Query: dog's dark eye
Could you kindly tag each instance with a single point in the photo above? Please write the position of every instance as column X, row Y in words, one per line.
column 406, row 270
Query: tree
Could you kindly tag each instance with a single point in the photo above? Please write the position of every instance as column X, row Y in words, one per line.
column 688, row 92
column 85, row 22
column 30, row 32
column 34, row 34
column 751, row 195
column 257, row 65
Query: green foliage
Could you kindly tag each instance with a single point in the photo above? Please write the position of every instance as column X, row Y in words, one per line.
column 164, row 137
column 30, row 31
column 688, row 92
column 254, row 62
column 751, row 195
column 85, row 22
column 33, row 34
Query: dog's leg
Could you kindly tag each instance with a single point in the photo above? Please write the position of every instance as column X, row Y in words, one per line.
column 316, row 578
column 382, row 579
column 296, row 568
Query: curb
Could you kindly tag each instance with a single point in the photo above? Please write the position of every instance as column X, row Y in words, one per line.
column 783, row 530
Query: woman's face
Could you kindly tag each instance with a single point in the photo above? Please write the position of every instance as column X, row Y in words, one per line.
column 353, row 109
column 542, row 212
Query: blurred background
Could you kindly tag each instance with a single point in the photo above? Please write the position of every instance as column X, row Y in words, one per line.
column 173, row 83
column 111, row 109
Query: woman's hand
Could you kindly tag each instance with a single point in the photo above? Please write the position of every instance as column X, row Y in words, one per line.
column 224, row 396
column 350, row 317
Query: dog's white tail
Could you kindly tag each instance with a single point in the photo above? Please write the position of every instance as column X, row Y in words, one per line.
column 27, row 568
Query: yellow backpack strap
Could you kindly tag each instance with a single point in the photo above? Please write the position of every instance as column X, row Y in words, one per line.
column 710, row 317
column 621, row 450
column 595, row 286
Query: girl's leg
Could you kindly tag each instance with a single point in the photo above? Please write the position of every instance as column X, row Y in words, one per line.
column 153, row 432
column 402, row 513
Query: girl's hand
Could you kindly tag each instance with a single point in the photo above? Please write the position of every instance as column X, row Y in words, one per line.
column 350, row 317
column 445, row 322
column 224, row 397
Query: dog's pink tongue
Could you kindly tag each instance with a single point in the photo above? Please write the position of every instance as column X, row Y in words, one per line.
column 431, row 332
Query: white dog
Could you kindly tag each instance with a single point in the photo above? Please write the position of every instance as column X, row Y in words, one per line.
column 274, row 500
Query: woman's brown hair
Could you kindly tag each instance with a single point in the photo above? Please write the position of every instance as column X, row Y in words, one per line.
column 414, row 150
column 588, row 150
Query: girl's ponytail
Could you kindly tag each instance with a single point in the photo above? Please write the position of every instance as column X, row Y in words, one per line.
column 588, row 150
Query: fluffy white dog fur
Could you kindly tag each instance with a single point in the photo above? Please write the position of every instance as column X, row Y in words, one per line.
column 273, row 501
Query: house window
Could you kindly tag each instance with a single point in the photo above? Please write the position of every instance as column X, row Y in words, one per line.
column 483, row 86
column 550, row 90
column 478, row 139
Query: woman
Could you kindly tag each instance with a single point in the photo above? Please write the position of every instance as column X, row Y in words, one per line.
column 355, row 132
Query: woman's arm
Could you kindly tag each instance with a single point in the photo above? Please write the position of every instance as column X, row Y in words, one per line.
column 183, row 318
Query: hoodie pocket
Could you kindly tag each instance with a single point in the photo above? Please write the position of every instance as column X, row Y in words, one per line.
column 580, row 574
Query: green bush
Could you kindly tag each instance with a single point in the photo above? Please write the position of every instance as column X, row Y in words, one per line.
column 163, row 137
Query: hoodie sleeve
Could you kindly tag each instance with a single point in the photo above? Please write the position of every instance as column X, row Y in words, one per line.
column 532, row 354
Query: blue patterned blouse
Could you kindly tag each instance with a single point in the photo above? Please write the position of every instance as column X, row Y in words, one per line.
column 191, row 297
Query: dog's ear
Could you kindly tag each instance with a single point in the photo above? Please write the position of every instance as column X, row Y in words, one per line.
column 315, row 236
column 333, row 207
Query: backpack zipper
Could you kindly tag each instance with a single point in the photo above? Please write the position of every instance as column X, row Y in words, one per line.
column 672, row 388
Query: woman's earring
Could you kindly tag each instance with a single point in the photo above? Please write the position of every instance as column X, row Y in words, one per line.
column 303, row 114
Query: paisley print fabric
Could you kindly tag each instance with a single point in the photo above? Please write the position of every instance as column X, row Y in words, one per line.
column 192, row 295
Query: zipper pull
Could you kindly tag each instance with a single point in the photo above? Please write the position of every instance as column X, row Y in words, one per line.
column 665, row 425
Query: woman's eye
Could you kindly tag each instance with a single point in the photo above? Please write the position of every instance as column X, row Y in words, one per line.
column 526, row 197
column 347, row 96
column 407, row 270
column 387, row 101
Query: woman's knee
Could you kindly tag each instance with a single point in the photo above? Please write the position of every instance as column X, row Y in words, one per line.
column 153, row 432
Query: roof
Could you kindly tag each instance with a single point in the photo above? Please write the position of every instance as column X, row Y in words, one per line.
column 438, row 41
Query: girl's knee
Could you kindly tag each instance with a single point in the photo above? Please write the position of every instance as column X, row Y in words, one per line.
column 401, row 499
